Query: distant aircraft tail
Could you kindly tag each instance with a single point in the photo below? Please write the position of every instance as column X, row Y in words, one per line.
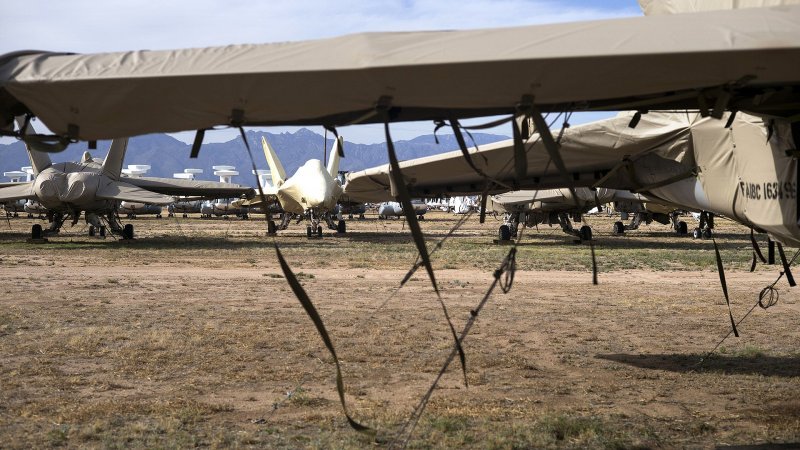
column 39, row 160
column 275, row 166
column 336, row 154
column 112, row 165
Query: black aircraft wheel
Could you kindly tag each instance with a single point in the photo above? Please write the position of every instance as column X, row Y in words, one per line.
column 697, row 233
column 361, row 217
column 158, row 216
column 707, row 233
column 36, row 231
column 421, row 217
column 319, row 230
column 271, row 228
column 185, row 216
column 619, row 228
column 683, row 229
column 91, row 230
column 308, row 231
column 586, row 233
column 102, row 231
column 16, row 214
column 341, row 227
column 504, row 233
column 350, row 216
column 127, row 232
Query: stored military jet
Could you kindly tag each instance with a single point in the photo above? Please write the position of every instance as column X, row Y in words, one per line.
column 312, row 193
column 563, row 206
column 96, row 187
column 395, row 209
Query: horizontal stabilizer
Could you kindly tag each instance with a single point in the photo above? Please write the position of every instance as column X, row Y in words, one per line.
column 16, row 192
column 119, row 190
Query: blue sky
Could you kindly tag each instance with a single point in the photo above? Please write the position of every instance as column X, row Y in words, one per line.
column 89, row 26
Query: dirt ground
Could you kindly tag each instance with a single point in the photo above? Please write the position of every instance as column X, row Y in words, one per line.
column 190, row 336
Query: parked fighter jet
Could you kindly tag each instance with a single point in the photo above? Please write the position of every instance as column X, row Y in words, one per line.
column 96, row 187
column 312, row 193
column 561, row 207
column 395, row 209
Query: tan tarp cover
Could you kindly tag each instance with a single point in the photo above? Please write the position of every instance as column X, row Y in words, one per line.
column 677, row 158
column 612, row 64
column 655, row 7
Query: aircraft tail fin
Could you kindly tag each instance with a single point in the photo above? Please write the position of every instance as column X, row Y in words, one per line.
column 275, row 166
column 112, row 165
column 336, row 154
column 39, row 160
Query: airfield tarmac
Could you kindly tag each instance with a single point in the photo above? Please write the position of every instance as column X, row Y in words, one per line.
column 189, row 336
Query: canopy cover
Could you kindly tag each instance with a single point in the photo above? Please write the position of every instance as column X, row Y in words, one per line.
column 719, row 58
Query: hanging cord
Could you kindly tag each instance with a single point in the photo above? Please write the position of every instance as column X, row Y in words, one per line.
column 504, row 277
column 307, row 304
column 766, row 298
column 400, row 190
column 724, row 284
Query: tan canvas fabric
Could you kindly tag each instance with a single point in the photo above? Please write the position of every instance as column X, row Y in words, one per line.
column 656, row 7
column 676, row 158
column 611, row 64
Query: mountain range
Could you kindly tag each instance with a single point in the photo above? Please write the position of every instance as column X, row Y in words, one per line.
column 167, row 155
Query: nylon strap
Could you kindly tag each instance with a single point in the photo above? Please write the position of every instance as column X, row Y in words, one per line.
column 198, row 142
column 552, row 147
column 724, row 284
column 401, row 190
column 786, row 266
column 756, row 251
column 301, row 295
column 520, row 159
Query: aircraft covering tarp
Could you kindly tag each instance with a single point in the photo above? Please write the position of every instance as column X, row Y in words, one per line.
column 121, row 191
column 654, row 7
column 674, row 157
column 656, row 62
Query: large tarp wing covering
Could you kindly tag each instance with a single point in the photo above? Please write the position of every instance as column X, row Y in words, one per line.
column 746, row 171
column 655, row 62
column 590, row 151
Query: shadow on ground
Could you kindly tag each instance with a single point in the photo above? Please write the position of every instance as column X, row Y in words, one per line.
column 774, row 366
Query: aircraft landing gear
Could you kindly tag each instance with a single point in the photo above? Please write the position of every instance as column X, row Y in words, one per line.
column 36, row 232
column 319, row 230
column 308, row 231
column 619, row 227
column 585, row 233
column 703, row 231
column 127, row 232
column 341, row 227
column 91, row 230
column 271, row 227
column 504, row 233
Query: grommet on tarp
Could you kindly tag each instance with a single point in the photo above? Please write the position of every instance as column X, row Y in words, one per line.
column 73, row 131
column 237, row 118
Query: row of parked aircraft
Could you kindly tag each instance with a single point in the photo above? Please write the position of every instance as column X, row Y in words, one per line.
column 314, row 193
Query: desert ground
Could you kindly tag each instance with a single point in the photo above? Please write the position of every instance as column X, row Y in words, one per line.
column 189, row 336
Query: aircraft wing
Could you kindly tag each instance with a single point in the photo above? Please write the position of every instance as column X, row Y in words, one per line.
column 16, row 191
column 119, row 190
column 741, row 59
column 591, row 152
column 191, row 188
